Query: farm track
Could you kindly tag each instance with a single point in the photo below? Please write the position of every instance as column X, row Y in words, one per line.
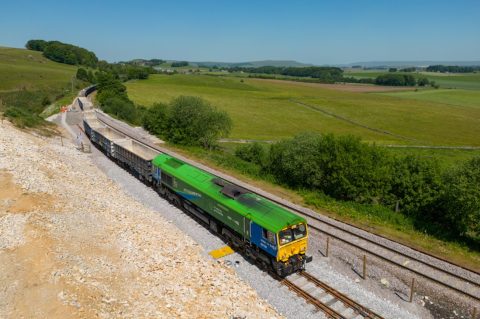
column 434, row 270
column 325, row 298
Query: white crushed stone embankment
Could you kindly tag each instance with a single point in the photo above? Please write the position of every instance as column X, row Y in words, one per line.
column 93, row 251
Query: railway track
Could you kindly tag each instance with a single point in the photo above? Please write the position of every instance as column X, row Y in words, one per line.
column 326, row 299
column 418, row 266
column 402, row 260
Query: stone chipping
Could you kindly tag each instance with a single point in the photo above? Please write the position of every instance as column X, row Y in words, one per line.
column 78, row 246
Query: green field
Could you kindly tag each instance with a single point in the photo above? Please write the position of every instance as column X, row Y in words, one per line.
column 263, row 110
column 460, row 98
column 28, row 83
column 22, row 69
column 468, row 81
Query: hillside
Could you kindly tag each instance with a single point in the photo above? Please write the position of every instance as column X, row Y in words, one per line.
column 22, row 69
column 29, row 83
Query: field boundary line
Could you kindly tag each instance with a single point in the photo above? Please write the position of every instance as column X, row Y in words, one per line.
column 440, row 147
column 345, row 119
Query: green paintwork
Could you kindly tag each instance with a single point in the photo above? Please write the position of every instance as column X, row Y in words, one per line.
column 205, row 194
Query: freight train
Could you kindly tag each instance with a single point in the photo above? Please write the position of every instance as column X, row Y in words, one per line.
column 263, row 231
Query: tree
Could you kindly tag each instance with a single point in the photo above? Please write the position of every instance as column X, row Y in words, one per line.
column 155, row 119
column 36, row 45
column 415, row 185
column 423, row 82
column 82, row 75
column 392, row 70
column 461, row 199
column 193, row 121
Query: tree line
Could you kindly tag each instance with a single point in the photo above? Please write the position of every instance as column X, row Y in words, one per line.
column 63, row 52
column 74, row 55
column 452, row 68
column 324, row 74
column 443, row 202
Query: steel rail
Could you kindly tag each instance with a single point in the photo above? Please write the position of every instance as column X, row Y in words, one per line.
column 347, row 301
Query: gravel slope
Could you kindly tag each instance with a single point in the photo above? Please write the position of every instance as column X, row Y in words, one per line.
column 74, row 245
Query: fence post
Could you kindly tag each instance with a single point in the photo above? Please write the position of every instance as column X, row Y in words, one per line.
column 364, row 267
column 412, row 287
column 328, row 246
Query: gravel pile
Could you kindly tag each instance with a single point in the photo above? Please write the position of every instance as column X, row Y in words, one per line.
column 92, row 251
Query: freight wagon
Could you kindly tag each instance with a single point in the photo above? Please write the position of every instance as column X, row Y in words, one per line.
column 266, row 232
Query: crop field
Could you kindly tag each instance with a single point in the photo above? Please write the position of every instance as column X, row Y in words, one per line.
column 28, row 70
column 271, row 110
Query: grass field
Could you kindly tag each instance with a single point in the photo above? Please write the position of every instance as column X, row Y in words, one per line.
column 266, row 110
column 468, row 81
column 460, row 98
column 22, row 69
column 29, row 82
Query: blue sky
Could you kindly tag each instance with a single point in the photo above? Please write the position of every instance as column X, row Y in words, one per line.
column 320, row 32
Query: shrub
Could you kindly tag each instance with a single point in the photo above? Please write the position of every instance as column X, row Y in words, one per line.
column 22, row 117
column 251, row 152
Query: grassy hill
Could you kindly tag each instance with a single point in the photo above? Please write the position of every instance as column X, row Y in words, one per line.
column 22, row 69
column 29, row 82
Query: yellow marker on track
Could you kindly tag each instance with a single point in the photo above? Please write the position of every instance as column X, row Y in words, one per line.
column 222, row 252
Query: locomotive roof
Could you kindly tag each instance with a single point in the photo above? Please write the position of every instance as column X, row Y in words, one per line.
column 259, row 209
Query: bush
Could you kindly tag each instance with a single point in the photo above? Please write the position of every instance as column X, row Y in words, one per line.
column 252, row 152
column 341, row 167
column 155, row 119
column 23, row 117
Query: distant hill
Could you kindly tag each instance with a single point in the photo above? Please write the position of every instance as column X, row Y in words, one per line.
column 278, row 63
column 400, row 64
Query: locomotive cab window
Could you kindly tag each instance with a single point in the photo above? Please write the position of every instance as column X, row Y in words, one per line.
column 268, row 235
column 167, row 179
column 296, row 232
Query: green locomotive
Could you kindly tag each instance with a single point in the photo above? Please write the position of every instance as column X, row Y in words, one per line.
column 266, row 232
